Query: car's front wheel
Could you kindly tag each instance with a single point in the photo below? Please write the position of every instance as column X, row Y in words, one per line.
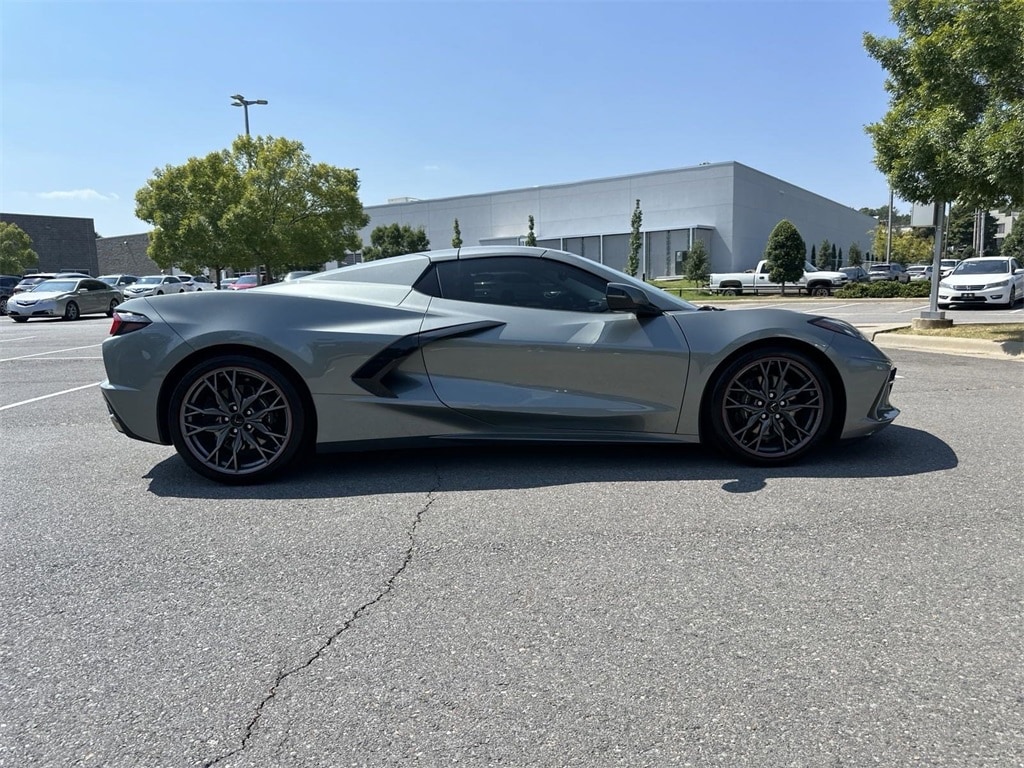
column 112, row 307
column 71, row 311
column 770, row 406
column 3, row 305
column 236, row 419
column 820, row 290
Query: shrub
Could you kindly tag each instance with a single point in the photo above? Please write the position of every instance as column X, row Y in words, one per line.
column 886, row 289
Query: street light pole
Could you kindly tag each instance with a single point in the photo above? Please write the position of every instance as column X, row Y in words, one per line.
column 244, row 103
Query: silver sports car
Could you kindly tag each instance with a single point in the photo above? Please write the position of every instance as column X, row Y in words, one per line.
column 483, row 343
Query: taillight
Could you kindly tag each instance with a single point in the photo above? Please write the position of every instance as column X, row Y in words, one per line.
column 126, row 322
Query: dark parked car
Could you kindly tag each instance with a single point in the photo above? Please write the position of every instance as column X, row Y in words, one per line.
column 856, row 274
column 7, row 283
column 29, row 282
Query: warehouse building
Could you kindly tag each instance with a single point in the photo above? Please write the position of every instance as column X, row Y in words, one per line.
column 731, row 207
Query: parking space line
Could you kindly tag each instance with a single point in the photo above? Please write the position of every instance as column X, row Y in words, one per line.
column 40, row 354
column 18, row 338
column 46, row 397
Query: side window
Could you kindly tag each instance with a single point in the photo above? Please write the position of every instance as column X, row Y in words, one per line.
column 514, row 281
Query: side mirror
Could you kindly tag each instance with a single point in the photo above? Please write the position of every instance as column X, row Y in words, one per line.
column 628, row 298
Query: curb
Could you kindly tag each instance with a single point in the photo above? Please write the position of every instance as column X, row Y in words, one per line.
column 1010, row 350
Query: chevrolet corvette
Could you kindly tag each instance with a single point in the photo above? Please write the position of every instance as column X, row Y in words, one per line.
column 487, row 343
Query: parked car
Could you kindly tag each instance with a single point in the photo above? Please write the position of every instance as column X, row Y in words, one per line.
column 69, row 298
column 888, row 271
column 920, row 272
column 7, row 284
column 855, row 274
column 244, row 282
column 29, row 282
column 118, row 281
column 411, row 349
column 154, row 285
column 983, row 280
column 203, row 283
column 227, row 282
column 296, row 275
column 947, row 266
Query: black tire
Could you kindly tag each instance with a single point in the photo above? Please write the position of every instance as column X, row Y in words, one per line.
column 820, row 290
column 112, row 307
column 71, row 311
column 159, row 293
column 730, row 291
column 942, row 306
column 236, row 419
column 770, row 406
column 1013, row 297
column 3, row 305
column 20, row 319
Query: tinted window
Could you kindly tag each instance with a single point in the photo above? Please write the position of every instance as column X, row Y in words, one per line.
column 518, row 282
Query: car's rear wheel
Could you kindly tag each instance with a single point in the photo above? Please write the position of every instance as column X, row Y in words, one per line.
column 730, row 291
column 770, row 406
column 3, row 305
column 236, row 419
column 71, row 311
column 112, row 307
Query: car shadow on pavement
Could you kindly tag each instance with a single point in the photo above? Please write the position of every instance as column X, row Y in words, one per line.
column 894, row 452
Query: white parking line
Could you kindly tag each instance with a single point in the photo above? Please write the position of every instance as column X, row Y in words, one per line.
column 54, row 352
column 45, row 397
column 925, row 308
column 18, row 338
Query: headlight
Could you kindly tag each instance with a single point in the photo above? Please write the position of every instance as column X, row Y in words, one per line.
column 944, row 284
column 837, row 326
column 1000, row 284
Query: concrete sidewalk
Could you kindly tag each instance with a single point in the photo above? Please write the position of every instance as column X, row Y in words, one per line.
column 947, row 344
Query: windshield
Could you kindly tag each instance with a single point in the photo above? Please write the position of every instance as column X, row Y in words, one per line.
column 154, row 280
column 989, row 267
column 57, row 286
column 247, row 280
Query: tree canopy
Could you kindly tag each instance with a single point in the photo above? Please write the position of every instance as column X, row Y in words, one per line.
column 395, row 239
column 955, row 125
column 960, row 232
column 16, row 254
column 1013, row 243
column 262, row 202
column 785, row 253
column 908, row 246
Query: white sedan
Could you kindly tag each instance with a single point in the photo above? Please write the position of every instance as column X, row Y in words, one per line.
column 984, row 280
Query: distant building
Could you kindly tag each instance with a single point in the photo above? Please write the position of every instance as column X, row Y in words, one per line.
column 730, row 207
column 64, row 244
column 126, row 254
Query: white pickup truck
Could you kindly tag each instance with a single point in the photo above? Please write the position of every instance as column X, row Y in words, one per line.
column 815, row 282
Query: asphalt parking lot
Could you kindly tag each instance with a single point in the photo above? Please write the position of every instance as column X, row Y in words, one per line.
column 559, row 607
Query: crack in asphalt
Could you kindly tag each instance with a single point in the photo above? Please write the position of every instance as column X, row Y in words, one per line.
column 283, row 675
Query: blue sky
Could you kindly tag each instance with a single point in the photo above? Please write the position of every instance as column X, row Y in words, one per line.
column 435, row 99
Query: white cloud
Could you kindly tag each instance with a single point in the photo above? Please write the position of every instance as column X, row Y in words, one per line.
column 77, row 194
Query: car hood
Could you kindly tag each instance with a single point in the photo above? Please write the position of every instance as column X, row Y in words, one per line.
column 42, row 295
column 984, row 277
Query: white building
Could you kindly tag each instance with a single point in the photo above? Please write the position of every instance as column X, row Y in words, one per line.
column 730, row 207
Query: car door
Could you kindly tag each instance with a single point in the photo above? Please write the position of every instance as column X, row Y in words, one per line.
column 543, row 353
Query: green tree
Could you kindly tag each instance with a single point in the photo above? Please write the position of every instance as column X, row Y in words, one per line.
column 698, row 267
column 456, row 235
column 394, row 240
column 786, row 253
column 837, row 258
column 531, row 237
column 955, row 125
column 908, row 246
column 824, row 255
column 16, row 254
column 1013, row 243
column 856, row 258
column 635, row 241
column 960, row 231
column 882, row 214
column 261, row 202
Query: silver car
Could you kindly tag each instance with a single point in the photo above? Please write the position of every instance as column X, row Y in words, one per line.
column 67, row 298
column 155, row 285
column 484, row 343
